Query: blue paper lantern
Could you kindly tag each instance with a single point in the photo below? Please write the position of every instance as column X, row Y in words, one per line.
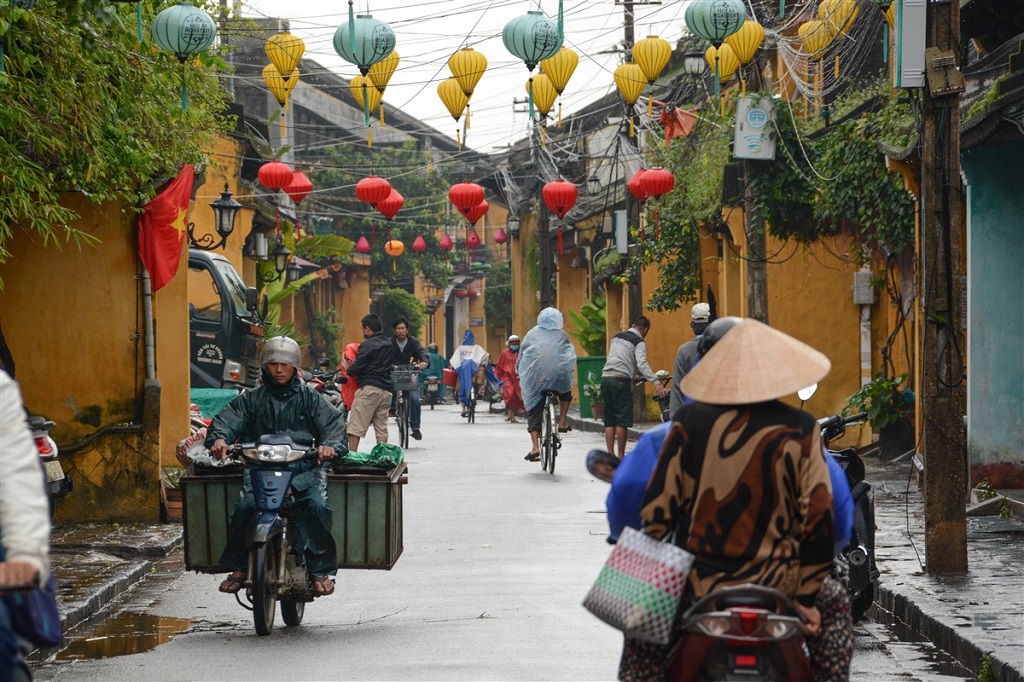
column 363, row 40
column 533, row 38
column 715, row 20
column 184, row 30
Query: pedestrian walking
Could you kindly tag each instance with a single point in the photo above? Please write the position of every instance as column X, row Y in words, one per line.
column 372, row 367
column 506, row 372
column 627, row 358
column 686, row 356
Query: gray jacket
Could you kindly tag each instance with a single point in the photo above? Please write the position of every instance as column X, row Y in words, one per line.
column 627, row 357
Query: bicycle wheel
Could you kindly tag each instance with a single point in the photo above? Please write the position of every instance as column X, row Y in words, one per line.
column 556, row 442
column 472, row 409
column 546, row 437
column 402, row 416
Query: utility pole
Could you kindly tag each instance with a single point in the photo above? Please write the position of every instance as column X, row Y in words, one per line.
column 942, row 369
column 757, row 243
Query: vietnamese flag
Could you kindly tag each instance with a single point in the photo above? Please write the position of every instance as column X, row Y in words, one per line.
column 162, row 228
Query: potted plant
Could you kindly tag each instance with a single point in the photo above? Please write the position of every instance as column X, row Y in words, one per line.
column 886, row 405
column 170, row 479
column 589, row 330
column 592, row 391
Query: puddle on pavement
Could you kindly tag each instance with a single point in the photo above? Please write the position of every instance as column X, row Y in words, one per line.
column 126, row 633
column 929, row 655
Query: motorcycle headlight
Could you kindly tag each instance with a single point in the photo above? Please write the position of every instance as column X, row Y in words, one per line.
column 274, row 453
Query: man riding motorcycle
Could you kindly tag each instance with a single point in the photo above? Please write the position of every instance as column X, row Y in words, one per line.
column 283, row 405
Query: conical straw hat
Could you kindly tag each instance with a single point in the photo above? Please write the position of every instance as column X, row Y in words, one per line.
column 753, row 363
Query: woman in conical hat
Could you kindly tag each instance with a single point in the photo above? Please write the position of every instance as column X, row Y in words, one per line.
column 742, row 479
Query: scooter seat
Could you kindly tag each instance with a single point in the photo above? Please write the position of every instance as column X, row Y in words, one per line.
column 751, row 600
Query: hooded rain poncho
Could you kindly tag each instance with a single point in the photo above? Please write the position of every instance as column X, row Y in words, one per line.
column 466, row 361
column 546, row 358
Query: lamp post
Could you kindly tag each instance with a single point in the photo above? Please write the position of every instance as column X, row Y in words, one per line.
column 224, row 211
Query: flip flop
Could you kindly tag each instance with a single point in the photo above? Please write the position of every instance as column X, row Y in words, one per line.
column 232, row 584
column 567, row 429
column 323, row 586
column 532, row 457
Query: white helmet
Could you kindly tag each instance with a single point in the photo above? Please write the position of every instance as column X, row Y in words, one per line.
column 512, row 338
column 281, row 349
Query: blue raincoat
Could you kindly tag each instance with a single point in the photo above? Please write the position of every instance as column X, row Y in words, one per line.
column 466, row 361
column 546, row 358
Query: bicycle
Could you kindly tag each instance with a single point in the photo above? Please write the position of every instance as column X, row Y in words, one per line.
column 471, row 410
column 550, row 441
column 403, row 380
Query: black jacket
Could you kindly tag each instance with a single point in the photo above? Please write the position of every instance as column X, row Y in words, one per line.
column 373, row 362
column 414, row 350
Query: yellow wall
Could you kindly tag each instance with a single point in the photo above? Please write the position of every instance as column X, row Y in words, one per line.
column 73, row 320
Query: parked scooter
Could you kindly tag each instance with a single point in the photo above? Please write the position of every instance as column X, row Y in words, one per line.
column 327, row 383
column 276, row 569
column 855, row 566
column 58, row 484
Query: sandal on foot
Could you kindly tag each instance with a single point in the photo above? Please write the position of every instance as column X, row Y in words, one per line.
column 567, row 429
column 532, row 457
column 233, row 583
column 323, row 586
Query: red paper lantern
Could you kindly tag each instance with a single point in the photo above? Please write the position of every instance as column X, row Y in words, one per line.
column 275, row 175
column 363, row 245
column 419, row 245
column 657, row 182
column 636, row 187
column 465, row 195
column 373, row 190
column 446, row 242
column 461, row 293
column 472, row 239
column 559, row 197
column 477, row 212
column 390, row 206
column 500, row 236
column 299, row 188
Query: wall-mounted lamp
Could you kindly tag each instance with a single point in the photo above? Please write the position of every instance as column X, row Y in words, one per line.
column 224, row 211
column 593, row 185
column 512, row 225
column 280, row 257
column 294, row 272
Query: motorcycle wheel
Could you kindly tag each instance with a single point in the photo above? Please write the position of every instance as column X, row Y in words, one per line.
column 264, row 605
column 862, row 602
column 292, row 611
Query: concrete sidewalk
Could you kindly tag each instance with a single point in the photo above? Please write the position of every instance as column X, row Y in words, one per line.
column 978, row 618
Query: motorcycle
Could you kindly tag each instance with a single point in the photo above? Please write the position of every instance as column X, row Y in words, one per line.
column 855, row 566
column 277, row 572
column 327, row 383
column 58, row 484
column 431, row 391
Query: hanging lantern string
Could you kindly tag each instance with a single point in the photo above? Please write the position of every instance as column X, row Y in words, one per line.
column 138, row 23
column 184, row 88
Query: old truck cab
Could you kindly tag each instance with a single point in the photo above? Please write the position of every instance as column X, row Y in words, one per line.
column 225, row 327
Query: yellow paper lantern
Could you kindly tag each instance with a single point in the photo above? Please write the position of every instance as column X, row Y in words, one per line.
column 838, row 15
column 285, row 51
column 652, row 55
column 544, row 93
column 746, row 40
column 814, row 38
column 381, row 72
column 631, row 81
column 727, row 60
column 468, row 66
column 454, row 98
column 394, row 248
column 890, row 16
column 277, row 84
column 362, row 87
column 559, row 69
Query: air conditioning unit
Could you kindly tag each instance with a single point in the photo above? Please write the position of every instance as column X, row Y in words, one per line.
column 910, row 36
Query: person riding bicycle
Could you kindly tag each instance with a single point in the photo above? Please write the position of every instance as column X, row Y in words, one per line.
column 283, row 405
column 434, row 369
column 469, row 362
column 546, row 362
column 407, row 349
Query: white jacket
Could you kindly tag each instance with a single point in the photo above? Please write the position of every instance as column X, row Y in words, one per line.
column 24, row 509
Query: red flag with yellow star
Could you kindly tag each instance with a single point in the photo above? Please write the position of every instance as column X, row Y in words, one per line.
column 162, row 228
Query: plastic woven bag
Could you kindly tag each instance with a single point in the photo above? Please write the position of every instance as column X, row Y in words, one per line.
column 640, row 586
column 385, row 455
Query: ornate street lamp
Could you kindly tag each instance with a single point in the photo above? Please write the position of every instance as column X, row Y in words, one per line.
column 593, row 185
column 224, row 211
column 280, row 256
column 294, row 273
column 512, row 225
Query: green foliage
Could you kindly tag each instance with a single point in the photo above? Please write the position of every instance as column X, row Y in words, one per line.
column 329, row 331
column 425, row 188
column 882, row 399
column 498, row 303
column 986, row 674
column 590, row 325
column 82, row 109
column 698, row 166
column 592, row 389
column 984, row 490
column 398, row 303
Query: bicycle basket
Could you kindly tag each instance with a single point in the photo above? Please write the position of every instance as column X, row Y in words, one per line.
column 404, row 379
